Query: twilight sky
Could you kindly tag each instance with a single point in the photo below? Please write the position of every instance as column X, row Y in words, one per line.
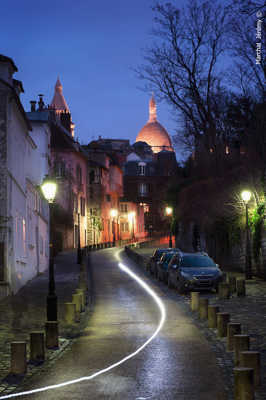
column 92, row 46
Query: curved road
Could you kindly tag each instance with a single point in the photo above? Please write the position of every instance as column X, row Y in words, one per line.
column 178, row 364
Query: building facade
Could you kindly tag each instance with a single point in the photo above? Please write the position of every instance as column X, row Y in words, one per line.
column 24, row 214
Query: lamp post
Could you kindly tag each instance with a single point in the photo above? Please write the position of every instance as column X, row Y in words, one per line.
column 169, row 213
column 113, row 213
column 79, row 249
column 131, row 217
column 246, row 195
column 49, row 188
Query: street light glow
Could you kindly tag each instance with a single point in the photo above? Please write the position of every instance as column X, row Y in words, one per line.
column 113, row 212
column 49, row 188
column 169, row 210
column 246, row 195
column 131, row 215
column 161, row 307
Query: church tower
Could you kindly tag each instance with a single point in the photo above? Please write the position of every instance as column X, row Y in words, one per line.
column 59, row 105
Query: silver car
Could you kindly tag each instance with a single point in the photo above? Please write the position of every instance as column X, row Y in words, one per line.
column 193, row 271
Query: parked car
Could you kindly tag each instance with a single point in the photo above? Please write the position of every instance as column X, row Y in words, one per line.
column 162, row 265
column 154, row 259
column 189, row 271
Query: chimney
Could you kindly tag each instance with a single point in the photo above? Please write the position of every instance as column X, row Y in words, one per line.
column 40, row 102
column 33, row 105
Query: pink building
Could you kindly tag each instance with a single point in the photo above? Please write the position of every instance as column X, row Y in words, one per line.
column 69, row 165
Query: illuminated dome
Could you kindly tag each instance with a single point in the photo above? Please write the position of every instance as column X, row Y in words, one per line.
column 153, row 133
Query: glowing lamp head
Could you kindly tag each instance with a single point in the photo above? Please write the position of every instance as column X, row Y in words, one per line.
column 246, row 195
column 113, row 213
column 169, row 210
column 49, row 188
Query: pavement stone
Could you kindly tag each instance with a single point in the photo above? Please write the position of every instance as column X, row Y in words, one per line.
column 250, row 311
column 25, row 312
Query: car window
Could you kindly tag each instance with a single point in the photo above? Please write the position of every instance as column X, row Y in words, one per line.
column 197, row 261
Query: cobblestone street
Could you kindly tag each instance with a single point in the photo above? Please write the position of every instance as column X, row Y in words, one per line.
column 26, row 312
column 250, row 311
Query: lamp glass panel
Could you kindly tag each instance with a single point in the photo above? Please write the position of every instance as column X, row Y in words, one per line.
column 49, row 191
column 246, row 195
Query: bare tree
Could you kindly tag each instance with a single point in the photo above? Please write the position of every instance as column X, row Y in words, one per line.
column 247, row 45
column 183, row 66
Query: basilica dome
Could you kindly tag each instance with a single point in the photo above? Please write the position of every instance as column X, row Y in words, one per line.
column 153, row 133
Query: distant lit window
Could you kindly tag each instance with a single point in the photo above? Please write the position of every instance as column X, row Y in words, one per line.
column 123, row 207
column 143, row 189
column 75, row 203
column 124, row 227
column 141, row 168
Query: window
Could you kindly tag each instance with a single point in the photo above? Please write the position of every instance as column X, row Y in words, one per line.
column 124, row 227
column 60, row 168
column 79, row 174
column 123, row 207
column 143, row 189
column 41, row 244
column 24, row 235
column 141, row 168
column 75, row 203
column 94, row 176
column 82, row 206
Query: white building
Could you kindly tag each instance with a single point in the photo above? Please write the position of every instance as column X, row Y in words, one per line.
column 23, row 212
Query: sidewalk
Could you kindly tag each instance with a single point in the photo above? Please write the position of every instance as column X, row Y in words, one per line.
column 250, row 311
column 26, row 312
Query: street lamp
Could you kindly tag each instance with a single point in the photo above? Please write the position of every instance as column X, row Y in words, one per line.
column 131, row 217
column 49, row 188
column 246, row 195
column 113, row 213
column 169, row 213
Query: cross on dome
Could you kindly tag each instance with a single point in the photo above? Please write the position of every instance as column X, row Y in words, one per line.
column 152, row 108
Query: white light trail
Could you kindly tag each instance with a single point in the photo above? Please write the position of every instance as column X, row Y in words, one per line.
column 131, row 355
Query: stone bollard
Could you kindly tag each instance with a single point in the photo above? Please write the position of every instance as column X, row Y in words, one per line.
column 18, row 362
column 51, row 337
column 203, row 308
column 222, row 320
column 240, row 287
column 233, row 328
column 212, row 316
column 231, row 280
column 224, row 290
column 194, row 301
column 241, row 343
column 82, row 292
column 37, row 352
column 244, row 384
column 76, row 299
column 69, row 313
column 251, row 359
